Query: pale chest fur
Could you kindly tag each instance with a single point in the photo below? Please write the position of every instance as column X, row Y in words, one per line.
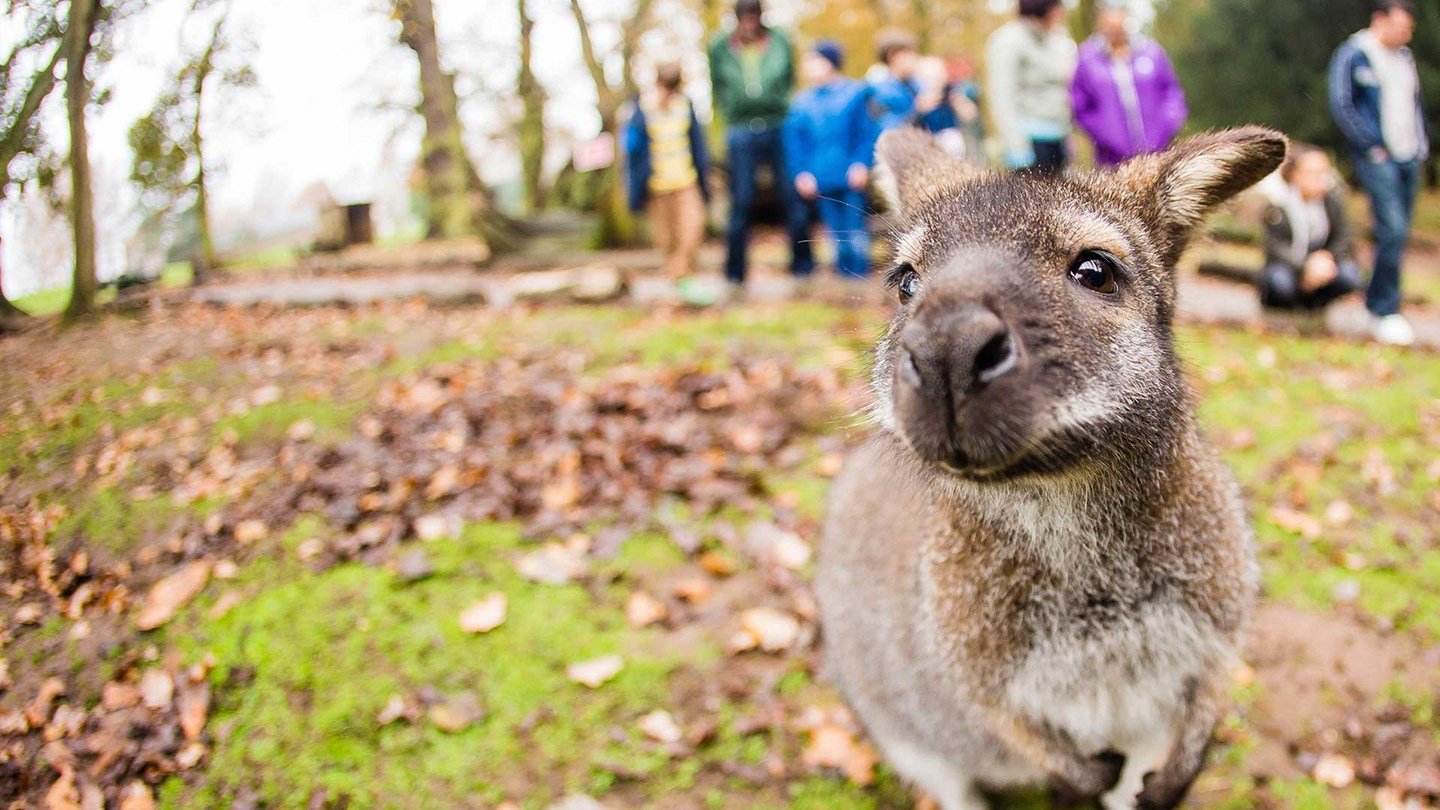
column 1121, row 687
column 1108, row 661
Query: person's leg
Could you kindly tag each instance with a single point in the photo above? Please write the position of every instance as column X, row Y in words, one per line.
column 1050, row 156
column 661, row 209
column 855, row 253
column 1384, row 185
column 689, row 229
column 1346, row 281
column 798, row 212
column 744, row 163
column 1279, row 286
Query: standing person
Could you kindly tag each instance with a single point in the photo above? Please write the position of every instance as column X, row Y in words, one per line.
column 753, row 73
column 1030, row 61
column 1375, row 100
column 965, row 97
column 667, row 163
column 830, row 138
column 1309, row 255
column 908, row 91
column 1125, row 94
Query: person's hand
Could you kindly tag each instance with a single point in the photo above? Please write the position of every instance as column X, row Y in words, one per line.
column 928, row 99
column 1379, row 154
column 1020, row 159
column 1320, row 269
column 858, row 176
column 966, row 109
column 806, row 185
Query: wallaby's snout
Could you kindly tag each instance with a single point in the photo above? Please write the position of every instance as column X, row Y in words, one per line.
column 955, row 350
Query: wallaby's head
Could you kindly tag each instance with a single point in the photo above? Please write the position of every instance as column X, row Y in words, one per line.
column 1033, row 335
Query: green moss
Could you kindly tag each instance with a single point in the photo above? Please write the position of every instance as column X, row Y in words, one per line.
column 325, row 652
column 1276, row 387
column 268, row 423
column 109, row 518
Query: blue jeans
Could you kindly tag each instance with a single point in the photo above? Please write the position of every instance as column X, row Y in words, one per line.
column 749, row 149
column 1391, row 186
column 843, row 214
column 1280, row 287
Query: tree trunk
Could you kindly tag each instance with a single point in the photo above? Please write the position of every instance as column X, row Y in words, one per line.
column 532, row 120
column 9, row 313
column 617, row 225
column 920, row 19
column 206, row 263
column 82, row 201
column 1083, row 24
column 458, row 204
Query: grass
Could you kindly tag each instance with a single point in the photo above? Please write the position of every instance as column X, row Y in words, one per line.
column 321, row 654
column 307, row 659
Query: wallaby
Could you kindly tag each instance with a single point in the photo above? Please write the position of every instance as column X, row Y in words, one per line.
column 1037, row 571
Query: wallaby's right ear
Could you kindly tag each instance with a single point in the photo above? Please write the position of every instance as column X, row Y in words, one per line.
column 1187, row 182
column 911, row 168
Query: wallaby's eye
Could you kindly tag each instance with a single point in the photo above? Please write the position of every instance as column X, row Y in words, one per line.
column 1095, row 271
column 906, row 281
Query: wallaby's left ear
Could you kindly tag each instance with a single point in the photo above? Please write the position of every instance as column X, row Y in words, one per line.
column 911, row 168
column 1187, row 182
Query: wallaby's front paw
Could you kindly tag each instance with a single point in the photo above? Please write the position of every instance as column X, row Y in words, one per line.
column 1165, row 790
column 1089, row 779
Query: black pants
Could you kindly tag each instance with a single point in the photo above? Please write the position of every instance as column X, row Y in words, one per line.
column 1050, row 156
column 1280, row 287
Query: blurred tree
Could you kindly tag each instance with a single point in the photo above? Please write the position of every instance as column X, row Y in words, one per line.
column 943, row 27
column 531, row 130
column 168, row 143
column 457, row 202
column 79, row 45
column 1082, row 19
column 1260, row 61
column 27, row 76
column 617, row 226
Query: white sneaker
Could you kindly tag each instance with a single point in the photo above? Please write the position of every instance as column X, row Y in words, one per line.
column 1392, row 330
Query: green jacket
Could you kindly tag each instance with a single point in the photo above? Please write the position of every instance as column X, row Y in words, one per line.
column 766, row 100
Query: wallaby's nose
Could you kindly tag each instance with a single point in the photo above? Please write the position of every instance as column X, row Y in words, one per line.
column 957, row 350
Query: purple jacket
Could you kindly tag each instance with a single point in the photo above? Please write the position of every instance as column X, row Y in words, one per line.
column 1122, row 131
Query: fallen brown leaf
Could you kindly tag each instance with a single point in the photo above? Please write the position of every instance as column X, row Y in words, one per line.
column 553, row 564
column 832, row 746
column 1334, row 770
column 251, row 531
column 37, row 711
column 773, row 630
column 660, row 726
column 456, row 712
column 595, row 672
column 485, row 615
column 157, row 688
column 172, row 593
column 137, row 796
column 643, row 610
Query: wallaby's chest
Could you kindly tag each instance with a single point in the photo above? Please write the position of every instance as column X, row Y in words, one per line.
column 1106, row 660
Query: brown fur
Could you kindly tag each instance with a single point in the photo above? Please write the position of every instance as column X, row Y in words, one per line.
column 1011, row 555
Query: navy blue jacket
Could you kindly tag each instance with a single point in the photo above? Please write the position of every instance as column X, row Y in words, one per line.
column 828, row 130
column 637, row 155
column 1355, row 101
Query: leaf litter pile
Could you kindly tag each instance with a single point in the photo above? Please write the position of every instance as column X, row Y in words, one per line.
column 712, row 454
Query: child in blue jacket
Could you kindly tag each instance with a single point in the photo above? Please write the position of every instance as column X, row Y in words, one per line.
column 829, row 140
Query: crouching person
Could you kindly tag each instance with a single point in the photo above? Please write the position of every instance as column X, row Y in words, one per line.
column 829, row 141
column 1309, row 256
column 667, row 162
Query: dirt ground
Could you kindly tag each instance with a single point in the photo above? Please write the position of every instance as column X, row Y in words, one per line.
column 400, row 555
